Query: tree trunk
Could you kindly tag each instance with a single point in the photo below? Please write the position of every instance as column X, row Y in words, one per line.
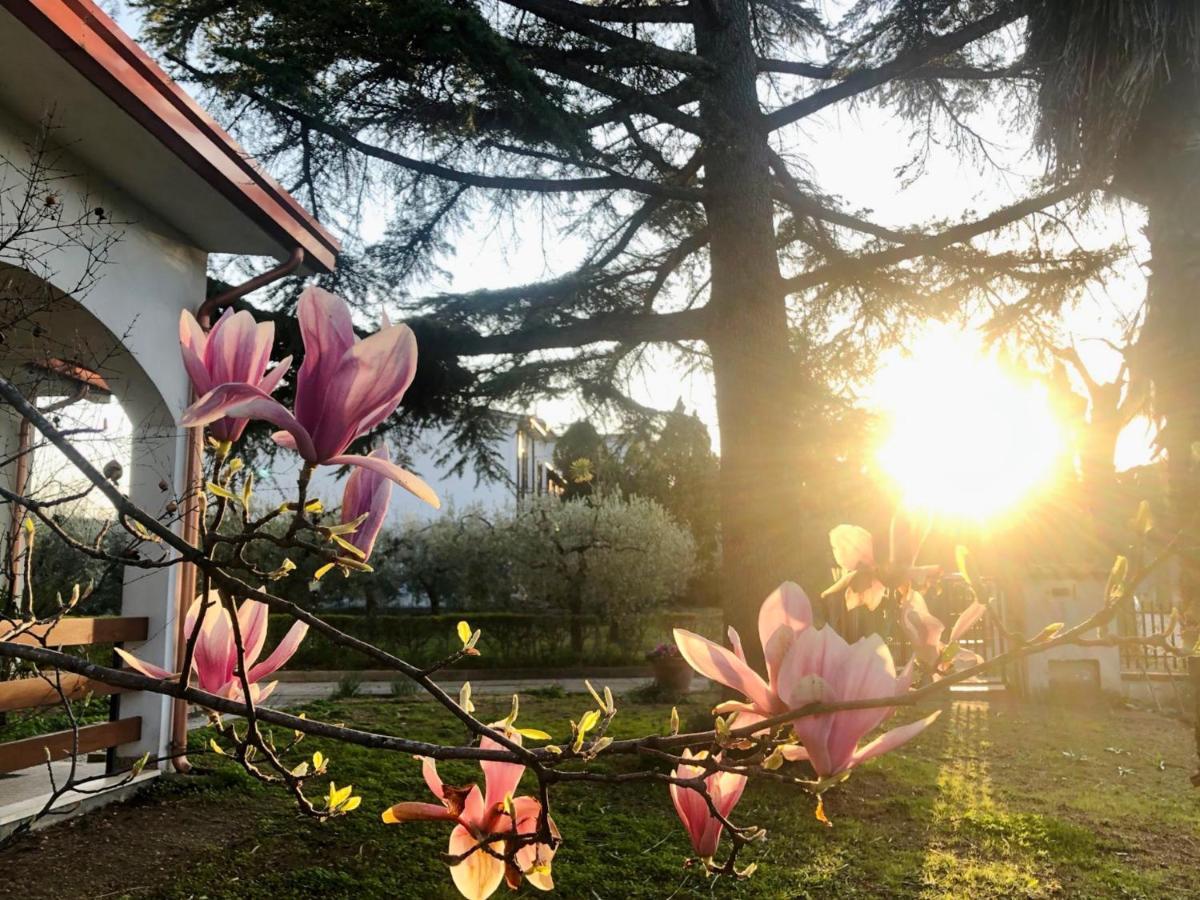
column 1173, row 335
column 576, row 612
column 748, row 331
column 1163, row 176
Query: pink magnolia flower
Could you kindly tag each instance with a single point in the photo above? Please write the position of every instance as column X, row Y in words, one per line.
column 215, row 658
column 344, row 388
column 925, row 632
column 865, row 580
column 367, row 493
column 821, row 666
column 478, row 815
column 236, row 350
column 784, row 614
column 703, row 828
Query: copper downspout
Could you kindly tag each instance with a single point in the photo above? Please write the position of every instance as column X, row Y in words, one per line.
column 186, row 585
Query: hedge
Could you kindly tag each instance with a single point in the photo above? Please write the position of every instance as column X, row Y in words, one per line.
column 510, row 640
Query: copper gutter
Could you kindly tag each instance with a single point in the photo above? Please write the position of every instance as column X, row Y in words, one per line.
column 186, row 584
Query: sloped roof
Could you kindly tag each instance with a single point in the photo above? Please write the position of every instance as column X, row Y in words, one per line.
column 122, row 114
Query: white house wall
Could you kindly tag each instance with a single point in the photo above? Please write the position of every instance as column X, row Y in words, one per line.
column 151, row 274
column 277, row 480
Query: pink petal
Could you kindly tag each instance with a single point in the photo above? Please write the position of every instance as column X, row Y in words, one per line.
column 367, row 492
column 271, row 380
column 279, row 657
column 369, row 383
column 252, row 622
column 393, row 472
column 392, row 353
column 965, row 659
column 145, row 668
column 244, row 401
column 867, row 673
column 189, row 620
column 328, row 334
column 500, row 778
column 233, row 352
column 432, row 779
column 966, row 619
column 715, row 662
column 786, row 611
column 215, row 651
column 726, row 788
column 690, row 807
column 533, row 857
column 892, row 739
column 192, row 341
column 735, row 641
column 924, row 629
column 853, row 547
column 477, row 876
column 260, row 692
column 815, row 656
column 414, row 811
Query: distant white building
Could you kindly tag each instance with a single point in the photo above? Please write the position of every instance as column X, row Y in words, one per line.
column 527, row 445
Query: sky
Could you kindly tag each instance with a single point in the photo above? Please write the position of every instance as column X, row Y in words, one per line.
column 853, row 151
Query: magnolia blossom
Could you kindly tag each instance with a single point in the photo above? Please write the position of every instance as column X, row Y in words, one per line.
column 784, row 615
column 345, row 387
column 480, row 814
column 215, row 659
column 725, row 789
column 236, row 350
column 821, row 666
column 925, row 632
column 865, row 580
column 367, row 493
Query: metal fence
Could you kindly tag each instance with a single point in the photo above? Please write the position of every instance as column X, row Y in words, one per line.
column 946, row 602
column 1149, row 614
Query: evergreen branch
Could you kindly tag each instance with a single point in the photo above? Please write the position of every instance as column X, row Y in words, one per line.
column 528, row 184
column 946, row 72
column 933, row 243
column 687, row 325
column 663, row 106
column 651, row 13
column 567, row 14
column 866, row 79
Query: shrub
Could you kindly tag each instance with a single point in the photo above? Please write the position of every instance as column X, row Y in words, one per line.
column 616, row 558
column 510, row 639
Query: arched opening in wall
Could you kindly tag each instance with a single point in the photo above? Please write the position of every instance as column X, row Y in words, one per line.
column 85, row 378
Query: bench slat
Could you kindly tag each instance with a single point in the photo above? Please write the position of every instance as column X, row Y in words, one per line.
column 75, row 631
column 17, row 755
column 28, row 693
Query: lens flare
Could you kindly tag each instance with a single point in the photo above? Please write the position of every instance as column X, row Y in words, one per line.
column 965, row 437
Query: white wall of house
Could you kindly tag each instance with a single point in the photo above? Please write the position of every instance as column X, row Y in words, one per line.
column 277, row 480
column 1069, row 668
column 124, row 325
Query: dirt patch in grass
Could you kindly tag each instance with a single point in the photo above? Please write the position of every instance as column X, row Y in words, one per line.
column 133, row 849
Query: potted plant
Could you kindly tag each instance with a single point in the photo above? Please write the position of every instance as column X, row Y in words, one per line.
column 671, row 671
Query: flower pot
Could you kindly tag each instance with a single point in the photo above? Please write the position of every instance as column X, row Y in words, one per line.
column 672, row 674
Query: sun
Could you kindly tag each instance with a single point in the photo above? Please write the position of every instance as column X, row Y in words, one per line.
column 964, row 437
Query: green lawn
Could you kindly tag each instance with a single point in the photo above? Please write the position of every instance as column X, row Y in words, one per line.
column 993, row 801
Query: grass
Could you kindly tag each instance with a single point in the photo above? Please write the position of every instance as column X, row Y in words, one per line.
column 994, row 801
